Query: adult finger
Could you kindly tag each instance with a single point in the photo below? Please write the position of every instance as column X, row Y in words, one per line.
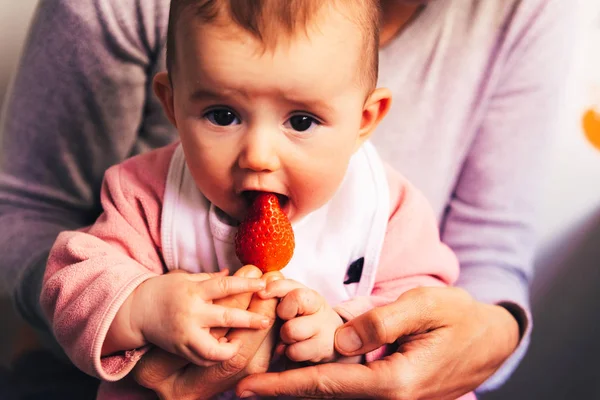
column 240, row 300
column 262, row 358
column 323, row 381
column 252, row 339
column 156, row 366
column 416, row 311
column 266, row 309
column 223, row 286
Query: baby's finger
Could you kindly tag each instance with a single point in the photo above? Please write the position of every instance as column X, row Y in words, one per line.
column 199, row 360
column 309, row 350
column 203, row 276
column 241, row 300
column 224, row 286
column 280, row 348
column 280, row 288
column 205, row 350
column 220, row 316
column 299, row 329
column 299, row 302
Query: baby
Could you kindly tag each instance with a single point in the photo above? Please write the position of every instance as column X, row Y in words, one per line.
column 267, row 96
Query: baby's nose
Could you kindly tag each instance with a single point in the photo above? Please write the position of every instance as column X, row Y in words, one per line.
column 260, row 152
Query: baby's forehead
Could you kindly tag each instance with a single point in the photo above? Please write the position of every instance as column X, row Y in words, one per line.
column 280, row 28
column 322, row 57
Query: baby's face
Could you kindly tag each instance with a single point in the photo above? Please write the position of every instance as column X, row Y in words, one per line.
column 285, row 121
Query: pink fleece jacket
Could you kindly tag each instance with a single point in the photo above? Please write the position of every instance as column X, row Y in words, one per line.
column 91, row 272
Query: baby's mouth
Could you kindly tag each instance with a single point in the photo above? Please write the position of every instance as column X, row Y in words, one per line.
column 250, row 195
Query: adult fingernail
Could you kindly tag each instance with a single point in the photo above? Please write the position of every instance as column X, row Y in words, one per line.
column 250, row 271
column 246, row 393
column 348, row 340
column 273, row 278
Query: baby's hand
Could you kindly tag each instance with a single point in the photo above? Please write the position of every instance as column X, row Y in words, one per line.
column 176, row 311
column 310, row 324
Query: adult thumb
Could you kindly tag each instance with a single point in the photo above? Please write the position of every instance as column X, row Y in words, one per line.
column 413, row 312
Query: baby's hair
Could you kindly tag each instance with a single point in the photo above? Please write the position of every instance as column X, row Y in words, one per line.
column 270, row 20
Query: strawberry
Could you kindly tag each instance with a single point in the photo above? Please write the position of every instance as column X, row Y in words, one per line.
column 265, row 238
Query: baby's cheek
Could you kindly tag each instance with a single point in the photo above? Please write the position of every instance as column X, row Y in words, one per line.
column 319, row 189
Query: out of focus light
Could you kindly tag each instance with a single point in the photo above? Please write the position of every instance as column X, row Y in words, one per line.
column 591, row 127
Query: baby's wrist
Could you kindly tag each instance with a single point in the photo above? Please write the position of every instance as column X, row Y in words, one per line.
column 123, row 334
column 135, row 312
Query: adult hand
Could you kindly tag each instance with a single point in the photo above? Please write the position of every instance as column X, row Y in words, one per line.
column 448, row 344
column 172, row 377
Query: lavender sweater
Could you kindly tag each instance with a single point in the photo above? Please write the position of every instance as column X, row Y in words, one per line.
column 476, row 86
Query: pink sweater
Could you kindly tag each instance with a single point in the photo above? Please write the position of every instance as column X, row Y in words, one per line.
column 91, row 272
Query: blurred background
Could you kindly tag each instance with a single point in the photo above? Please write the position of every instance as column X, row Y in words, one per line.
column 563, row 360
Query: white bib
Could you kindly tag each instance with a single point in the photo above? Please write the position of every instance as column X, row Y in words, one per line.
column 350, row 226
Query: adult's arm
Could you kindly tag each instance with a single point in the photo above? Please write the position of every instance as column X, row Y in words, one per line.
column 79, row 103
column 491, row 219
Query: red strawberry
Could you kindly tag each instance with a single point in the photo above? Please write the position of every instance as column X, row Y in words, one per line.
column 265, row 238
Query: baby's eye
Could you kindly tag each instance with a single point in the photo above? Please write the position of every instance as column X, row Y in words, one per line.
column 302, row 122
column 222, row 117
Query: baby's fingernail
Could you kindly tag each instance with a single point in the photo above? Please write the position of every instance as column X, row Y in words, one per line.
column 280, row 349
column 265, row 322
column 348, row 340
column 246, row 393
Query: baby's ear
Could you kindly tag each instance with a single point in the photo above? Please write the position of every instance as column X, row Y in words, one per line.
column 376, row 107
column 164, row 91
